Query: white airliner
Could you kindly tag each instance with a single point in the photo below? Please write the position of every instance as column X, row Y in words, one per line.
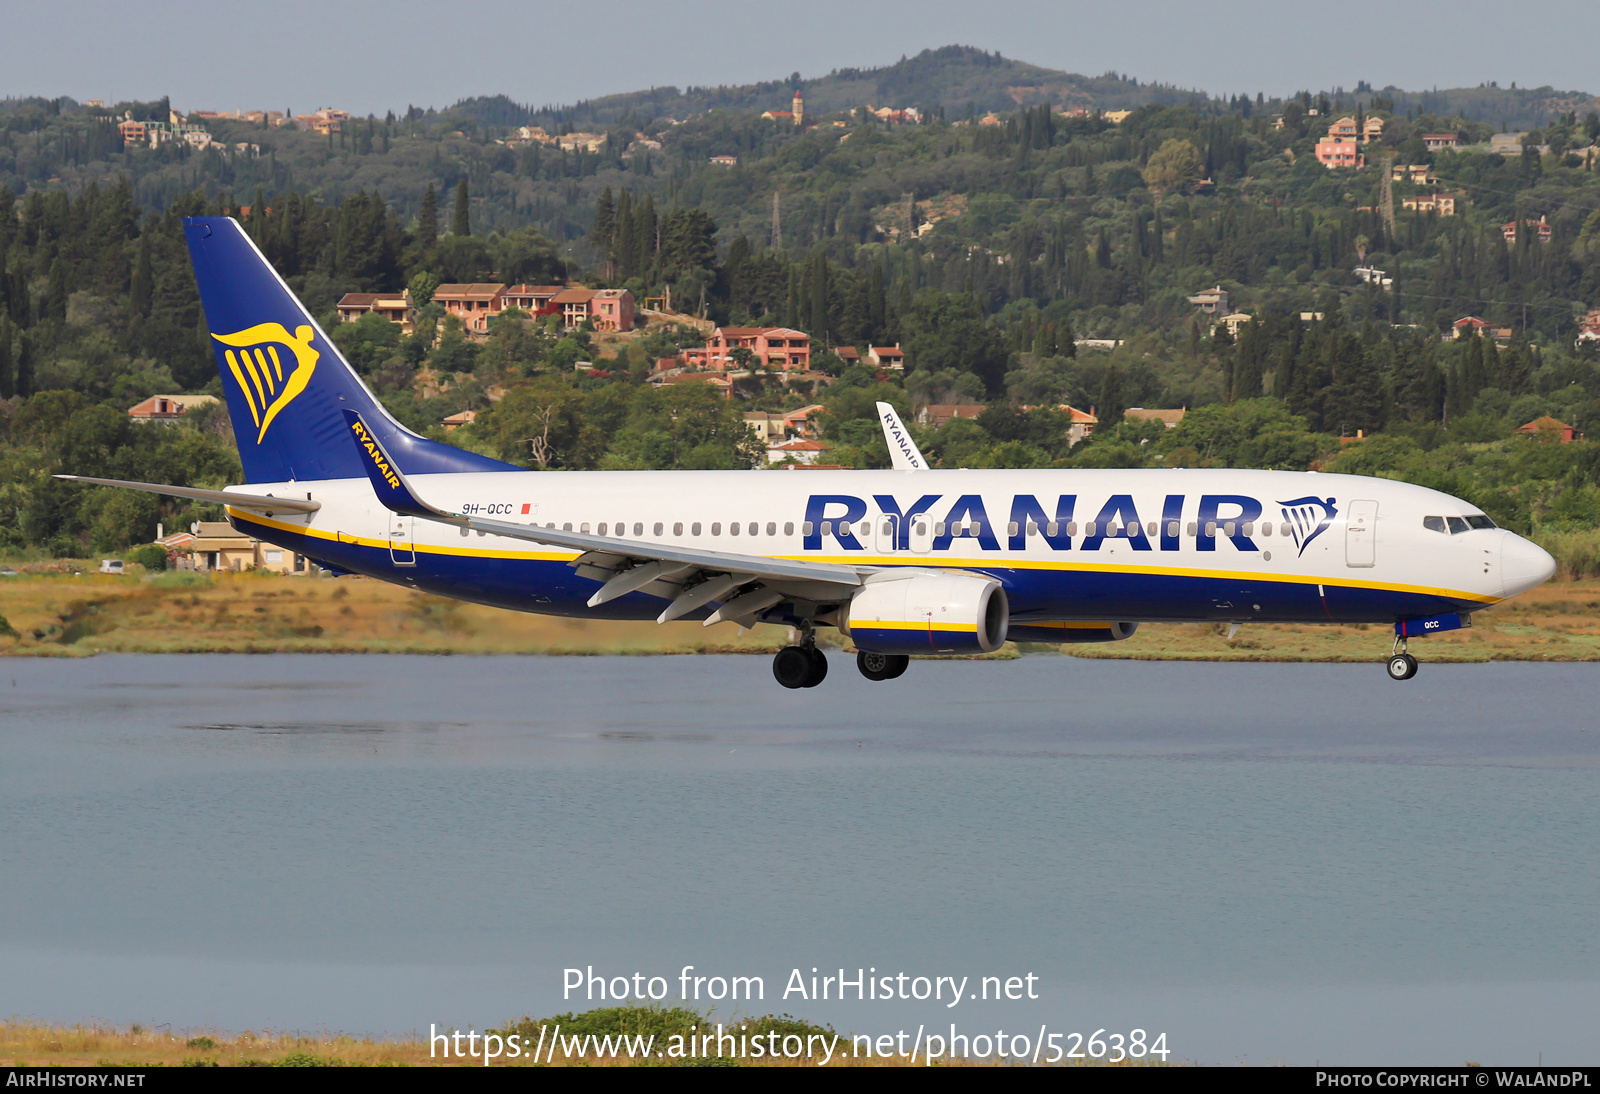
column 905, row 562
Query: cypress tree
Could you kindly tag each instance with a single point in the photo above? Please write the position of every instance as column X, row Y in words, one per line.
column 428, row 218
column 7, row 386
column 605, row 224
column 141, row 289
column 460, row 224
column 23, row 384
column 56, row 293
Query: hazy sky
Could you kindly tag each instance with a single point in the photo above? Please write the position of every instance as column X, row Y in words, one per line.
column 385, row 54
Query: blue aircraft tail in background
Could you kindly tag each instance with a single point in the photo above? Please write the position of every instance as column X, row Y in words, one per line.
column 287, row 384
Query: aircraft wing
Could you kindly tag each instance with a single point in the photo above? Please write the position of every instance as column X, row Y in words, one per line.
column 265, row 503
column 691, row 577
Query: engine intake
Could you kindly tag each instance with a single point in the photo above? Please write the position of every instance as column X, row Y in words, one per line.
column 928, row 613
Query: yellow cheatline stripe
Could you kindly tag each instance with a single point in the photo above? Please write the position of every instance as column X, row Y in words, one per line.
column 919, row 562
column 911, row 625
column 238, row 375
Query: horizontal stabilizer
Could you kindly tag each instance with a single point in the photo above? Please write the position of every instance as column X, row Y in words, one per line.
column 264, row 503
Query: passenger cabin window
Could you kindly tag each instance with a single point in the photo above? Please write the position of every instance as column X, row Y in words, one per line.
column 659, row 526
column 716, row 527
column 772, row 528
column 694, row 529
column 638, row 529
column 677, row 528
column 755, row 528
column 602, row 529
column 1172, row 529
column 788, row 528
column 733, row 528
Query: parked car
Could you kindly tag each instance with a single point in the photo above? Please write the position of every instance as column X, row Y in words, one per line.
column 111, row 566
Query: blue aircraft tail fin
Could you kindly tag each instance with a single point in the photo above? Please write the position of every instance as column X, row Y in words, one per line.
column 286, row 383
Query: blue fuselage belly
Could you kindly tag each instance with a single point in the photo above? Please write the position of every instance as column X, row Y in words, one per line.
column 551, row 587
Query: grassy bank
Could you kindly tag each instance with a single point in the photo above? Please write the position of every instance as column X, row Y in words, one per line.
column 57, row 614
column 25, row 1044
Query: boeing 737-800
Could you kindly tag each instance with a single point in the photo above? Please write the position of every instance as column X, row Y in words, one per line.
column 904, row 562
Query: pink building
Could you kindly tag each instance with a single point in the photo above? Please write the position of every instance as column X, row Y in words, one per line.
column 472, row 304
column 533, row 299
column 781, row 348
column 1333, row 153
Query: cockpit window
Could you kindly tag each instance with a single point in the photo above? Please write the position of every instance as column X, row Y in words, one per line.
column 1454, row 526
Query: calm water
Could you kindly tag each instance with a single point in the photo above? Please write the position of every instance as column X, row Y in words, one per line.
column 1267, row 862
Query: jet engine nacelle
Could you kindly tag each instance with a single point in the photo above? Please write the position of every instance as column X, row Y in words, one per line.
column 928, row 613
column 1072, row 632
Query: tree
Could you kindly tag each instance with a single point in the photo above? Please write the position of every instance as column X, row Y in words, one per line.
column 428, row 218
column 948, row 332
column 423, row 285
column 1173, row 166
column 142, row 285
column 7, row 384
column 460, row 222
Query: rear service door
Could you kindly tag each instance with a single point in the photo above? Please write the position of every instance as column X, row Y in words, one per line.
column 1360, row 534
column 402, row 552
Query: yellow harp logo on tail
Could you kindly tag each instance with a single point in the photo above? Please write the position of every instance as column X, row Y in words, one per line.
column 259, row 368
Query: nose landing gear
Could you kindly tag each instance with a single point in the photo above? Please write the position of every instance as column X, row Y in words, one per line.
column 1401, row 665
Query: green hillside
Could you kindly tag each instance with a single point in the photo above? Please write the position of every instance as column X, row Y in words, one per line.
column 988, row 251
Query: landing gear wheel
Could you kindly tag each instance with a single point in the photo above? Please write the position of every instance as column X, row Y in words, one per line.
column 881, row 666
column 792, row 667
column 1402, row 666
column 799, row 667
column 819, row 667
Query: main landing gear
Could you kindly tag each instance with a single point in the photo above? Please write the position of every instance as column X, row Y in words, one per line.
column 801, row 666
column 1401, row 665
column 881, row 666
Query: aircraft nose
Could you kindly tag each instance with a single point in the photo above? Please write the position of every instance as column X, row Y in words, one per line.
column 1523, row 565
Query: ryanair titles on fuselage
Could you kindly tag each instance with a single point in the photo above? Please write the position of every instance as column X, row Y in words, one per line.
column 1215, row 516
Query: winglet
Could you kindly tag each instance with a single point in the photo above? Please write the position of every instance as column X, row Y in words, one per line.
column 903, row 451
column 387, row 480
